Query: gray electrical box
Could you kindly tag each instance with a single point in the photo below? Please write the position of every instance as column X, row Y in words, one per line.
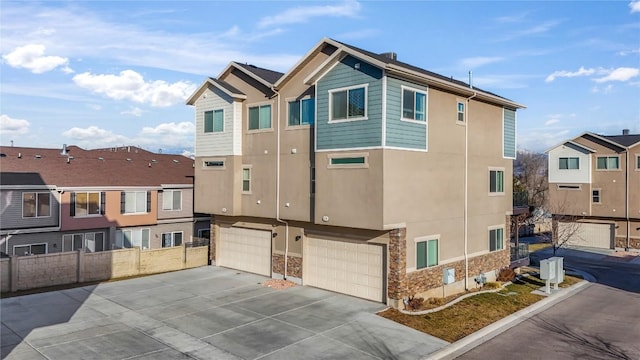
column 559, row 262
column 449, row 276
column 547, row 269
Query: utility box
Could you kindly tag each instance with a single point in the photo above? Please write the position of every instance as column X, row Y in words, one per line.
column 449, row 276
column 559, row 264
column 547, row 269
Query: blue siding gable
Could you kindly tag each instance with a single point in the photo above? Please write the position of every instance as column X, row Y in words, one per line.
column 509, row 134
column 350, row 134
column 403, row 134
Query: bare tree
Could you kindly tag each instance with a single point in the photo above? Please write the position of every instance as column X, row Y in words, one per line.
column 530, row 175
column 564, row 225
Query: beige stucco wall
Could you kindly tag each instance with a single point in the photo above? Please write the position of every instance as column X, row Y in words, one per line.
column 218, row 189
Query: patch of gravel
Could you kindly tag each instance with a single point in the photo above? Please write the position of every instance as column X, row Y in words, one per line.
column 278, row 284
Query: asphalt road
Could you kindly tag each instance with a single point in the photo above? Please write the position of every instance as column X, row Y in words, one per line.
column 600, row 322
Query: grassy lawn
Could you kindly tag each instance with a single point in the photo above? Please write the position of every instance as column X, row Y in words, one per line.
column 476, row 312
column 538, row 246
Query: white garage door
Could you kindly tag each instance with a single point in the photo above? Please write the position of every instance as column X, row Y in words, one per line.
column 245, row 249
column 587, row 234
column 348, row 268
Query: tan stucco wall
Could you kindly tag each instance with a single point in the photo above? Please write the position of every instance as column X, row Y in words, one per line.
column 218, row 189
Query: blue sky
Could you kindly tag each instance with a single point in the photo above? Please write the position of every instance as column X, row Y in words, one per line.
column 99, row 74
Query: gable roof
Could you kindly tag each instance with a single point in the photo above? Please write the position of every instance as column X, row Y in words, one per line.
column 111, row 167
column 572, row 143
column 264, row 76
column 222, row 85
column 403, row 70
column 624, row 140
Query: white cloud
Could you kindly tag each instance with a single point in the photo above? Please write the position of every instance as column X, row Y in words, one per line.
column 629, row 52
column 551, row 121
column 94, row 136
column 131, row 86
column 634, row 6
column 619, row 74
column 164, row 136
column 475, row 62
column 135, row 111
column 564, row 73
column 604, row 90
column 32, row 57
column 541, row 140
column 183, row 128
column 302, row 14
column 10, row 126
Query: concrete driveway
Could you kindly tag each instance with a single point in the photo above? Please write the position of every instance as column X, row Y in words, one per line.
column 203, row 313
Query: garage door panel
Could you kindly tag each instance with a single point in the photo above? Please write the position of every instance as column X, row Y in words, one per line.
column 246, row 249
column 588, row 234
column 349, row 268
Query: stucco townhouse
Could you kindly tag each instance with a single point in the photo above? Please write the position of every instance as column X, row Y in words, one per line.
column 357, row 173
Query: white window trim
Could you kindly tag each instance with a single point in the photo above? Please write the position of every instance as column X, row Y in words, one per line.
column 36, row 209
column 173, row 240
column 496, row 227
column 637, row 162
column 489, row 181
column 568, row 157
column 415, row 252
column 250, row 191
column 609, row 156
column 578, row 188
column 122, row 231
column 46, row 248
column 366, row 104
column 222, row 160
column 364, row 155
column 103, row 239
column 464, row 112
column 263, row 103
column 99, row 214
column 72, row 235
column 426, row 105
column 301, row 126
column 164, row 192
column 599, row 196
column 145, row 203
column 213, row 111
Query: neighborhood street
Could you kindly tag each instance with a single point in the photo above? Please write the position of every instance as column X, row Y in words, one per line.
column 600, row 322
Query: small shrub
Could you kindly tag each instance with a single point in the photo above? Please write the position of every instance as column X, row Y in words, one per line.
column 492, row 285
column 436, row 301
column 415, row 303
column 506, row 274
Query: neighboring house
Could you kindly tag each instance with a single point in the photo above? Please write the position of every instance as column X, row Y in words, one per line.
column 55, row 201
column 594, row 190
column 355, row 172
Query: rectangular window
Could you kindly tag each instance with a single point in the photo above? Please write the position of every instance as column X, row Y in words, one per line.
column 260, row 117
column 246, row 179
column 213, row 164
column 348, row 160
column 87, row 203
column 348, row 104
column 496, row 181
column 172, row 200
column 36, row 204
column 496, row 239
column 72, row 242
column 414, row 105
column 32, row 249
column 133, row 238
column 426, row 254
column 460, row 112
column 638, row 162
column 135, row 202
column 301, row 112
column 569, row 187
column 595, row 196
column 569, row 163
column 94, row 242
column 172, row 239
column 608, row 163
column 214, row 121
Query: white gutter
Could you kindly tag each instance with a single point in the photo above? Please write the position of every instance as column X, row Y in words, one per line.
column 626, row 196
column 286, row 224
column 466, row 194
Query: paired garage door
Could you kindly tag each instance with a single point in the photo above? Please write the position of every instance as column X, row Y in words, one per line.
column 245, row 249
column 350, row 268
column 587, row 234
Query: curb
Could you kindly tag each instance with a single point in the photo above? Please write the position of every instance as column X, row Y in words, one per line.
column 471, row 341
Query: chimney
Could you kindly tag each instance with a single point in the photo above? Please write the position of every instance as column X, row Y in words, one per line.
column 64, row 150
column 391, row 55
column 625, row 131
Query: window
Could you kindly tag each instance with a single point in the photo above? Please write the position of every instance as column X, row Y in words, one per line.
column 204, row 233
column 133, row 238
column 496, row 181
column 72, row 242
column 569, row 163
column 426, row 253
column 260, row 117
column 301, row 112
column 36, row 204
column 608, row 163
column 172, row 200
column 213, row 163
column 172, row 239
column 348, row 160
column 94, row 241
column 595, row 196
column 313, row 179
column 135, row 202
column 246, row 179
column 87, row 203
column 31, row 249
column 569, row 187
column 352, row 160
column 460, row 112
column 348, row 104
column 496, row 239
column 414, row 105
column 214, row 121
column 638, row 162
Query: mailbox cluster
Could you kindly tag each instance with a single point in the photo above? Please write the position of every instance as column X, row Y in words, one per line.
column 552, row 271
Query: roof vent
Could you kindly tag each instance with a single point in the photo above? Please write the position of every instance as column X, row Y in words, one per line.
column 625, row 131
column 390, row 55
column 37, row 156
column 175, row 161
column 64, row 150
column 128, row 159
column 3, row 155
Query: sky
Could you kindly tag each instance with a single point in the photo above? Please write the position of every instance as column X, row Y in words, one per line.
column 111, row 73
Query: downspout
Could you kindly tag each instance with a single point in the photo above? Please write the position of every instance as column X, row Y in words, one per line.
column 626, row 204
column 466, row 191
column 286, row 224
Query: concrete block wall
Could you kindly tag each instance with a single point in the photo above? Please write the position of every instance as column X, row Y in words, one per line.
column 197, row 256
column 162, row 260
column 46, row 270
